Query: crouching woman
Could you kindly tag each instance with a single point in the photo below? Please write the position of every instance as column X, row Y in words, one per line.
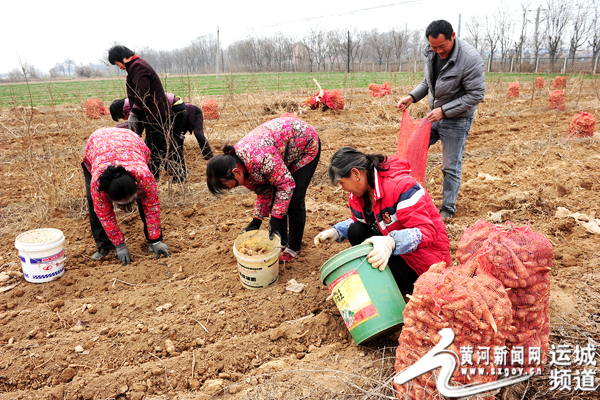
column 115, row 167
column 391, row 211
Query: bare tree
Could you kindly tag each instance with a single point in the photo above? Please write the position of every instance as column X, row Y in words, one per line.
column 417, row 43
column 380, row 46
column 491, row 37
column 594, row 30
column 59, row 67
column 335, row 43
column 557, row 16
column 504, row 26
column 520, row 40
column 399, row 39
column 474, row 32
column 579, row 29
column 68, row 63
column 315, row 42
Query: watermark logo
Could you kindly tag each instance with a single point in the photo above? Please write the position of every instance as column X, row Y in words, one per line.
column 562, row 359
column 440, row 357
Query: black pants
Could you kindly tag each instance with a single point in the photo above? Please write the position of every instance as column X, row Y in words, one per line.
column 100, row 236
column 404, row 275
column 164, row 139
column 297, row 210
column 199, row 134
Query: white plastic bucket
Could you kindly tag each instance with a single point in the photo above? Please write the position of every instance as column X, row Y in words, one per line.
column 42, row 254
column 258, row 272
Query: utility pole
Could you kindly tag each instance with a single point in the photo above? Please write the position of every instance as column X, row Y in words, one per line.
column 537, row 24
column 458, row 34
column 348, row 68
column 218, row 51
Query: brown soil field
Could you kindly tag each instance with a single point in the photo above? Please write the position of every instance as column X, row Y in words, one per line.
column 183, row 327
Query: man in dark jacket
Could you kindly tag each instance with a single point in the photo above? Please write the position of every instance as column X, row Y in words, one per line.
column 454, row 83
column 148, row 104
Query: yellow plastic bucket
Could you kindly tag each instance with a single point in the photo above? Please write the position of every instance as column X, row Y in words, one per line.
column 257, row 271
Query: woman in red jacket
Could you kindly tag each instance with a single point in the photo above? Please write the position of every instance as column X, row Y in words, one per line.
column 115, row 167
column 391, row 211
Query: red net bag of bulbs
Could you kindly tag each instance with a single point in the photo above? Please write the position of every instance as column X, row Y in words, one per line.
column 582, row 125
column 380, row 91
column 94, row 108
column 413, row 145
column 467, row 300
column 521, row 260
column 513, row 89
column 556, row 100
column 210, row 109
column 560, row 82
column 539, row 82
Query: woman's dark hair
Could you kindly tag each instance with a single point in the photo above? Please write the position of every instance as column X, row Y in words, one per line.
column 219, row 169
column 347, row 158
column 116, row 109
column 118, row 53
column 117, row 183
column 440, row 26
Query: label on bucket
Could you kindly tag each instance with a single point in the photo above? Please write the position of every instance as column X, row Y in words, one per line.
column 352, row 299
column 43, row 269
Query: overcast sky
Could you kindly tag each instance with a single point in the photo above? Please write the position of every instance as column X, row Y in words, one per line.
column 42, row 32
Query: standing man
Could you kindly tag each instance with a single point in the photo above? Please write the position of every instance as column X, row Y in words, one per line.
column 149, row 105
column 455, row 83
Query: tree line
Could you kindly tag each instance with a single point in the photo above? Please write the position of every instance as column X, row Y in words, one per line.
column 551, row 28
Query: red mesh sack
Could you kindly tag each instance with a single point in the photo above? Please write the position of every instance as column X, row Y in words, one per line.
column 582, row 125
column 560, row 82
column 513, row 89
column 521, row 260
column 380, row 91
column 557, row 100
column 333, row 99
column 472, row 239
column 210, row 109
column 413, row 145
column 465, row 299
column 539, row 82
column 94, row 108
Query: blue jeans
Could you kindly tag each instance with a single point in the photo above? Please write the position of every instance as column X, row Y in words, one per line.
column 453, row 133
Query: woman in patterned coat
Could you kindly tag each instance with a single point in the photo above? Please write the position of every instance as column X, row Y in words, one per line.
column 115, row 167
column 277, row 161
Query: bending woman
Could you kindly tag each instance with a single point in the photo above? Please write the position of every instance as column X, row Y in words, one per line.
column 276, row 160
column 115, row 167
column 391, row 211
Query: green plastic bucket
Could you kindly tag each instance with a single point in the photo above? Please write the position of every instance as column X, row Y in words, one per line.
column 368, row 299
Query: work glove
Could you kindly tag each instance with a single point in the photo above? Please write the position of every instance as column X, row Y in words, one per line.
column 274, row 227
column 253, row 225
column 159, row 248
column 327, row 236
column 122, row 254
column 382, row 250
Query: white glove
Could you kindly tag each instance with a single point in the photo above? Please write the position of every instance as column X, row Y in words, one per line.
column 327, row 236
column 382, row 250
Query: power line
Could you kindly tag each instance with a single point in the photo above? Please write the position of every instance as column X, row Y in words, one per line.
column 404, row 3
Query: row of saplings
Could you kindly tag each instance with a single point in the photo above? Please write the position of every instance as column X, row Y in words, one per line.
column 498, row 296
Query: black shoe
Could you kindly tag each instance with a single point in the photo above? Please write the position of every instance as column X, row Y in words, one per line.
column 446, row 216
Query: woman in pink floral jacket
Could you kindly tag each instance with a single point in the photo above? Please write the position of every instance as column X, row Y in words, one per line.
column 115, row 167
column 276, row 160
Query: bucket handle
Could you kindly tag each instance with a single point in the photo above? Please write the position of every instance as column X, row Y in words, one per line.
column 345, row 279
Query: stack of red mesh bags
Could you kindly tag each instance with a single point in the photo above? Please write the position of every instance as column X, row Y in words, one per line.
column 556, row 100
column 560, row 82
column 513, row 89
column 94, row 108
column 497, row 297
column 582, row 125
column 466, row 299
column 539, row 82
column 210, row 109
column 521, row 260
column 379, row 91
column 326, row 99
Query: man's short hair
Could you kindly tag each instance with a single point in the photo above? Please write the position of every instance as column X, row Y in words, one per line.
column 118, row 53
column 440, row 26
